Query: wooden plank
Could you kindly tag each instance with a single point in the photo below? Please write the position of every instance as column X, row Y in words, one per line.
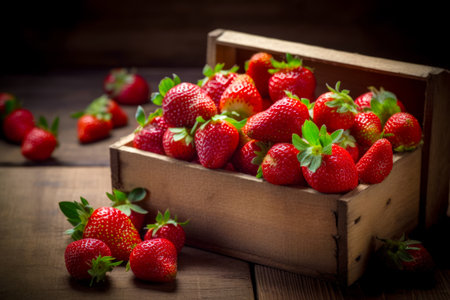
column 33, row 243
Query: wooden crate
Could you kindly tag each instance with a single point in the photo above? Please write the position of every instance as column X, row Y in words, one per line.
column 296, row 228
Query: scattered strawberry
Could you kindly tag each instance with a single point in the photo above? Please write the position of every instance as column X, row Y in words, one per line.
column 383, row 103
column 126, row 87
column 249, row 157
column 183, row 102
column 403, row 131
column 154, row 260
column 107, row 224
column 89, row 259
column 93, row 128
column 366, row 129
column 40, row 142
column 376, row 164
column 257, row 67
column 167, row 228
column 241, row 99
column 293, row 77
column 348, row 142
column 127, row 204
column 4, row 98
column 119, row 117
column 217, row 80
column 17, row 124
column 334, row 109
column 149, row 134
column 179, row 143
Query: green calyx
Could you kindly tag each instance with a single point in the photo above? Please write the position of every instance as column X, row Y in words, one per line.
column 346, row 140
column 164, row 219
column 201, row 123
column 97, row 108
column 314, row 144
column 209, row 72
column 342, row 100
column 383, row 104
column 142, row 120
column 182, row 133
column 100, row 266
column 258, row 159
column 53, row 129
column 78, row 214
column 126, row 202
column 305, row 101
column 164, row 86
column 396, row 251
column 11, row 105
column 291, row 63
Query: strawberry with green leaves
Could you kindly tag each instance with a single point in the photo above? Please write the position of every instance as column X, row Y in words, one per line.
column 217, row 80
column 17, row 122
column 89, row 259
column 168, row 228
column 178, row 142
column 326, row 167
column 292, row 76
column 257, row 67
column 4, row 99
column 335, row 109
column 348, row 142
column 376, row 164
column 366, row 129
column 148, row 136
column 41, row 141
column 126, row 87
column 403, row 131
column 249, row 157
column 126, row 202
column 383, row 103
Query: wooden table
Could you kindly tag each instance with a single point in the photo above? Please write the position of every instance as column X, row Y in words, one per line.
column 32, row 239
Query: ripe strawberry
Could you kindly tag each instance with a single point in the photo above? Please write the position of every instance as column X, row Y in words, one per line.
column 241, row 99
column 154, row 260
column 119, row 117
column 93, row 128
column 293, row 77
column 403, row 131
column 281, row 166
column 217, row 80
column 249, row 157
column 107, row 224
column 89, row 259
column 41, row 141
column 149, row 134
column 278, row 122
column 366, row 129
column 334, row 109
column 257, row 67
column 179, row 143
column 215, row 141
column 17, row 124
column 105, row 108
column 384, row 103
column 327, row 167
column 126, row 202
column 376, row 164
column 348, row 142
column 4, row 98
column 167, row 228
column 183, row 102
column 126, row 87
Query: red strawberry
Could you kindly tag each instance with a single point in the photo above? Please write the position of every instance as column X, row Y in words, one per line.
column 241, row 99
column 217, row 80
column 126, row 87
column 154, row 260
column 89, row 259
column 281, row 166
column 126, row 202
column 41, row 141
column 293, row 77
column 257, row 67
column 215, row 141
column 4, row 98
column 179, row 143
column 327, row 167
column 278, row 122
column 334, row 109
column 149, row 134
column 376, row 164
column 167, row 228
column 183, row 102
column 119, row 117
column 403, row 131
column 348, row 142
column 92, row 128
column 107, row 224
column 249, row 157
column 366, row 129
column 105, row 108
column 17, row 124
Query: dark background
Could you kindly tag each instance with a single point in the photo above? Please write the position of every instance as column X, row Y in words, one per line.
column 80, row 34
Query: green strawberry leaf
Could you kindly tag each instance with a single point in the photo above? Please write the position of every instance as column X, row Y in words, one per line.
column 137, row 194
column 310, row 132
column 77, row 215
column 11, row 105
column 259, row 173
column 140, row 116
column 119, row 195
column 100, row 266
column 138, row 209
column 299, row 143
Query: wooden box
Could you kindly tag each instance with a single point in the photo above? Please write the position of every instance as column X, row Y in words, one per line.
column 296, row 228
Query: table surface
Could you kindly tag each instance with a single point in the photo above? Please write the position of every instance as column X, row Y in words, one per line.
column 32, row 228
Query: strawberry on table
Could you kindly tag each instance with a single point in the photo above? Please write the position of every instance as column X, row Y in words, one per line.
column 376, row 164
column 126, row 87
column 403, row 131
column 178, row 142
column 249, row 157
column 89, row 259
column 126, row 202
column 4, row 98
column 105, row 108
column 41, row 141
column 257, row 67
column 217, row 80
column 149, row 134
column 17, row 122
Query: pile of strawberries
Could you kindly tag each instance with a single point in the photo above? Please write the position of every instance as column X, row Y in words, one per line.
column 267, row 122
column 110, row 235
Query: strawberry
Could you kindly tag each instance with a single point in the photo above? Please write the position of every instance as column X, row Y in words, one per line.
column 179, row 143
column 183, row 102
column 105, row 108
column 241, row 99
column 93, row 128
column 403, row 131
column 167, row 228
column 217, row 80
column 249, row 157
column 215, row 141
column 291, row 76
column 4, row 98
column 89, row 259
column 376, row 164
column 281, row 166
column 107, row 224
column 348, row 142
column 126, row 202
column 327, row 167
column 126, row 87
column 119, row 117
column 366, row 129
column 149, row 134
column 17, row 124
column 335, row 109
column 278, row 122
column 154, row 260
column 257, row 67
column 41, row 141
